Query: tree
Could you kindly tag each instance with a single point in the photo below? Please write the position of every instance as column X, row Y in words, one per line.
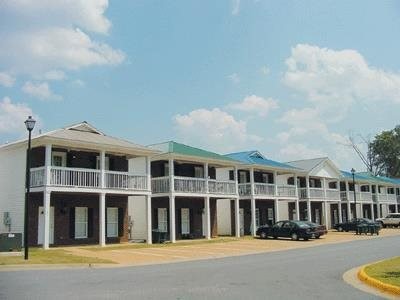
column 369, row 158
column 385, row 149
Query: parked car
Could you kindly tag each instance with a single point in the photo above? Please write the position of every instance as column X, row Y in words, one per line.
column 290, row 229
column 320, row 230
column 352, row 224
column 392, row 219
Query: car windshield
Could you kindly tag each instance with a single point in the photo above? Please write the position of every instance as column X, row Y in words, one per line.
column 302, row 224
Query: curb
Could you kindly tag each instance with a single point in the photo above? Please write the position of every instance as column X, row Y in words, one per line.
column 389, row 288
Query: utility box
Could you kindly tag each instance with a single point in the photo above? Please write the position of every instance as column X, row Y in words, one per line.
column 10, row 242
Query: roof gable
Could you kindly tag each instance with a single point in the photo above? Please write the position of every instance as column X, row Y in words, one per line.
column 84, row 127
column 321, row 167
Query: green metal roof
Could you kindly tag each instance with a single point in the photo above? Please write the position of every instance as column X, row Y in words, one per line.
column 182, row 149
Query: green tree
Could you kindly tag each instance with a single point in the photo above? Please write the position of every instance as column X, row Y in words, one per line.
column 385, row 152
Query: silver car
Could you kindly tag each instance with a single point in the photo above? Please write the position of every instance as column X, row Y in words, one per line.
column 392, row 219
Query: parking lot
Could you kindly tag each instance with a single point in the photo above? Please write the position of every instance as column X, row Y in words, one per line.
column 139, row 254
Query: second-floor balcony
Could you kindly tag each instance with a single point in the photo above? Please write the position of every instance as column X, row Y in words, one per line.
column 88, row 178
column 267, row 189
column 193, row 185
column 320, row 193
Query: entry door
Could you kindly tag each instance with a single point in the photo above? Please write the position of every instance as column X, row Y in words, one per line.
column 41, row 225
column 241, row 217
column 162, row 219
column 185, row 220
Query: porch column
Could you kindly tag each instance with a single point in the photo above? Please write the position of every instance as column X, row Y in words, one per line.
column 47, row 164
column 171, row 175
column 237, row 218
column 149, row 224
column 372, row 212
column 206, row 176
column 207, row 211
column 347, row 191
column 102, row 169
column 297, row 202
column 46, row 206
column 309, row 209
column 325, row 204
column 172, row 218
column 324, row 183
column 253, row 204
column 235, row 178
column 102, row 220
column 378, row 206
column 340, row 212
column 148, row 172
column 349, row 216
column 396, row 208
column 276, row 206
column 276, row 183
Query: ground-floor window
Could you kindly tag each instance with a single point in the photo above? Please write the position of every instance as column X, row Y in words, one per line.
column 162, row 219
column 185, row 220
column 112, row 221
column 81, row 222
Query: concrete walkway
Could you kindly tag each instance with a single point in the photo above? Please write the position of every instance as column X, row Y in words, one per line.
column 139, row 254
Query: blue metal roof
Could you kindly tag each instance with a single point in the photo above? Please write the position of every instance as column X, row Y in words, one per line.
column 256, row 158
column 365, row 176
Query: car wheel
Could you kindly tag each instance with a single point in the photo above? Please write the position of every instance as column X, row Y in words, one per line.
column 294, row 236
column 317, row 236
column 275, row 237
column 340, row 229
column 263, row 235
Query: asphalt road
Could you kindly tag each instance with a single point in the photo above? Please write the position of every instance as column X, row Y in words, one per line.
column 309, row 273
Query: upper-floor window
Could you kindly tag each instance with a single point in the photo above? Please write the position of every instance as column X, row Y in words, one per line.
column 59, row 159
column 106, row 162
column 166, row 169
column 265, row 178
column 242, row 177
column 198, row 172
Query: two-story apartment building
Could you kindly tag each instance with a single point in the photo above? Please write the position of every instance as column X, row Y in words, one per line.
column 80, row 183
column 187, row 183
column 265, row 192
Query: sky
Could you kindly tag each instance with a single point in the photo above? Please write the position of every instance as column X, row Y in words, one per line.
column 292, row 79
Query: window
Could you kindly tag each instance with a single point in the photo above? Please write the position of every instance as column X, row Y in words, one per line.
column 265, row 178
column 106, row 162
column 242, row 177
column 166, row 169
column 112, row 221
column 162, row 219
column 81, row 222
column 198, row 172
column 59, row 159
column 257, row 217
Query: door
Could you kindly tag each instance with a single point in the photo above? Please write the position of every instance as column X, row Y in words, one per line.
column 162, row 219
column 185, row 220
column 112, row 221
column 41, row 225
column 241, row 217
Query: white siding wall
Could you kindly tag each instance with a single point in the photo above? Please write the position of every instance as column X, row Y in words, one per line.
column 224, row 216
column 12, row 187
column 137, row 165
column 282, row 179
column 283, row 210
column 222, row 173
column 137, row 214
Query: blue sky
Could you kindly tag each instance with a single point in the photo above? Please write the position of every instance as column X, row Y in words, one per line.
column 291, row 78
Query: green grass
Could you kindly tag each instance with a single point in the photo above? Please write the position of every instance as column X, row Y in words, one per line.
column 52, row 256
column 167, row 244
column 387, row 271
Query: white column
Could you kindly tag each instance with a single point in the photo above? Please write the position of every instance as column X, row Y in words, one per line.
column 47, row 164
column 378, row 206
column 309, row 209
column 324, row 183
column 276, row 183
column 349, row 216
column 372, row 212
column 276, row 205
column 148, row 172
column 235, row 178
column 252, row 189
column 326, row 214
column 208, row 221
column 297, row 202
column 102, row 219
column 206, row 175
column 347, row 191
column 102, row 169
column 148, row 217
column 396, row 208
column 171, row 175
column 237, row 218
column 295, row 186
column 46, row 206
column 340, row 212
column 172, row 218
column 253, row 216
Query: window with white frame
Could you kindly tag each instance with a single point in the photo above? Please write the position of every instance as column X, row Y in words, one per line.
column 166, row 169
column 242, row 177
column 162, row 219
column 106, row 163
column 198, row 172
column 265, row 178
column 112, row 221
column 81, row 222
column 59, row 159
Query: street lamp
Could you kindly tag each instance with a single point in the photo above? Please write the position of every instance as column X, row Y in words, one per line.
column 354, row 190
column 30, row 124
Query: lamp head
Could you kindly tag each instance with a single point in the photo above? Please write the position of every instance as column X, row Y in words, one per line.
column 30, row 123
column 352, row 171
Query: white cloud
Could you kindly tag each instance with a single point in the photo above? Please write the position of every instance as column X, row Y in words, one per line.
column 12, row 116
column 264, row 70
column 214, row 129
column 296, row 151
column 333, row 80
column 78, row 83
column 235, row 7
column 6, row 80
column 40, row 90
column 255, row 104
column 234, row 77
column 45, row 38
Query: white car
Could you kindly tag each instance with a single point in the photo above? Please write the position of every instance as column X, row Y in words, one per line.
column 392, row 219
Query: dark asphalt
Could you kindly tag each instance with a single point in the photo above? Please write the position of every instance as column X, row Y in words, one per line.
column 311, row 273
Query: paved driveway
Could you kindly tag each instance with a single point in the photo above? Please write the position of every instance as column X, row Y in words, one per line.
column 137, row 255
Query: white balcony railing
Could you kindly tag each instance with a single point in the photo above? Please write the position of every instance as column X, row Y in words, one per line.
column 264, row 189
column 333, row 194
column 365, row 196
column 126, row 181
column 391, row 197
column 221, row 187
column 343, row 195
column 88, row 178
column 160, row 185
column 190, row 184
column 382, row 197
column 244, row 189
column 37, row 176
column 303, row 193
column 287, row 190
column 316, row 193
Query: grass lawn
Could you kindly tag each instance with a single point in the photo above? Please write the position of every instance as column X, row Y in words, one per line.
column 52, row 256
column 167, row 244
column 387, row 271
